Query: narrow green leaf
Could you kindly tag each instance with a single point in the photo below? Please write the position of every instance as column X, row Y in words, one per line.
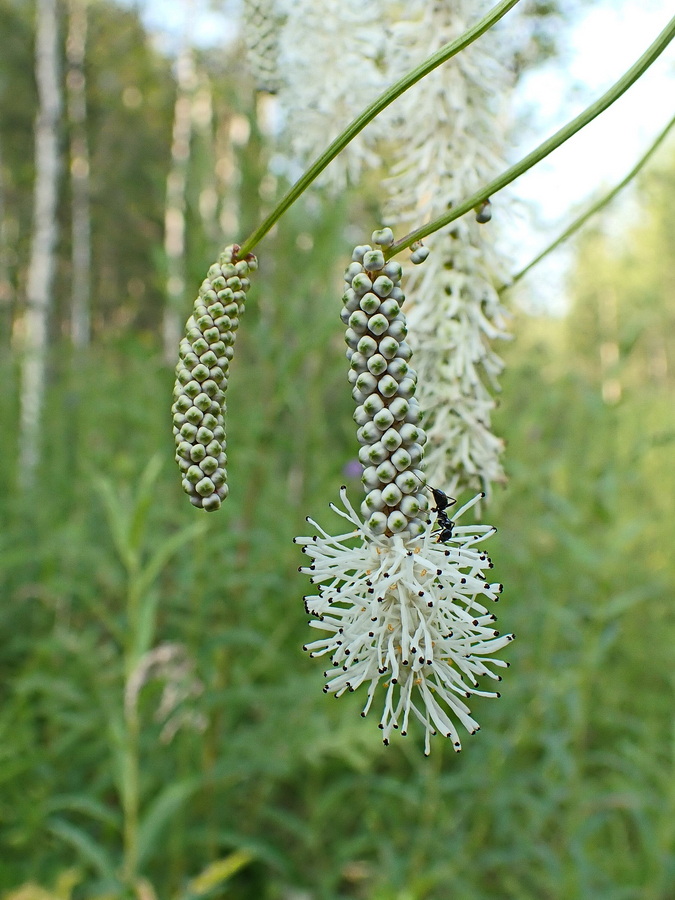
column 160, row 811
column 85, row 805
column 143, row 501
column 117, row 521
column 144, row 635
column 163, row 553
column 90, row 852
column 218, row 872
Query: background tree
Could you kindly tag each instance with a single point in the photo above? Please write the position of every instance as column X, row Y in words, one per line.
column 41, row 267
column 80, row 324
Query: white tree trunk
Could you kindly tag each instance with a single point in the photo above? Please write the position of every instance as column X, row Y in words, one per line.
column 174, row 216
column 203, row 121
column 6, row 292
column 80, row 326
column 42, row 256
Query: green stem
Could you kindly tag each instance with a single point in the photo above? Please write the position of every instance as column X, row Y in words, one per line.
column 543, row 150
column 602, row 202
column 131, row 749
column 131, row 794
column 443, row 55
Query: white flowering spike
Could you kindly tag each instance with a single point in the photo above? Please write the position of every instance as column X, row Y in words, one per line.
column 331, row 65
column 262, row 21
column 452, row 129
column 401, row 595
column 201, row 378
column 409, row 613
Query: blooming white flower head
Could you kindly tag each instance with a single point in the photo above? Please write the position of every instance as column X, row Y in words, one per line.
column 330, row 68
column 401, row 594
column 262, row 21
column 410, row 613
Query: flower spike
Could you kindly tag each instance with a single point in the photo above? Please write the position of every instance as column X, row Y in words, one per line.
column 402, row 595
column 201, row 378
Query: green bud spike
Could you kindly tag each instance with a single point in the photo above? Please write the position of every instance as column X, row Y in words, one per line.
column 199, row 392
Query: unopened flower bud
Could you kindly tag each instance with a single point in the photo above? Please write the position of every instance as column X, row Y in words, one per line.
column 383, row 386
column 199, row 391
column 418, row 253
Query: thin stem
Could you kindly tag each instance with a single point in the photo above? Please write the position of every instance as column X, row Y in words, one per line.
column 131, row 749
column 543, row 150
column 601, row 203
column 443, row 55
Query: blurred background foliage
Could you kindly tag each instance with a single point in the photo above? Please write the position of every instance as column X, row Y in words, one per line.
column 161, row 733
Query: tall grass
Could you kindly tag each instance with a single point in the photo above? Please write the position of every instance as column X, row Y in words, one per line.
column 269, row 789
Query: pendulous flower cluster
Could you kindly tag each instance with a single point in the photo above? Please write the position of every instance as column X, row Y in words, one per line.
column 408, row 613
column 201, row 378
column 384, row 385
column 402, row 593
column 263, row 21
column 451, row 145
column 331, row 63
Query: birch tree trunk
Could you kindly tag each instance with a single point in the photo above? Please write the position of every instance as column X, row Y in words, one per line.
column 6, row 292
column 80, row 318
column 174, row 216
column 203, row 119
column 42, row 255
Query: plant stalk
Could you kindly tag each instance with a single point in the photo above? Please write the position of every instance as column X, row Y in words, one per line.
column 543, row 150
column 595, row 208
column 443, row 55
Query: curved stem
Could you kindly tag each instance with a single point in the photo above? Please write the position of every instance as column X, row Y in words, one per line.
column 445, row 53
column 601, row 203
column 543, row 150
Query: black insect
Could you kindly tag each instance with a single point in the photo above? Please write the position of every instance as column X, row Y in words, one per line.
column 444, row 521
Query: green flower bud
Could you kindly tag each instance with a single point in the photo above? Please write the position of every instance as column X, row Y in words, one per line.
column 374, row 500
column 383, row 419
column 391, row 494
column 201, row 378
column 370, row 303
column 361, row 416
column 378, row 523
column 397, row 522
column 383, row 236
column 383, row 386
column 369, row 478
column 391, row 439
column 389, row 347
column 377, row 364
column 373, row 260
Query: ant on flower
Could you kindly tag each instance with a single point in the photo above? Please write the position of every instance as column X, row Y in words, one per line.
column 446, row 524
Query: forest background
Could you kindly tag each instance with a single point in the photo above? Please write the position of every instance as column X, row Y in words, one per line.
column 218, row 768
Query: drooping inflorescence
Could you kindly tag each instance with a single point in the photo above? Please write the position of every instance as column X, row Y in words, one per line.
column 409, row 614
column 201, row 378
column 455, row 124
column 383, row 386
column 403, row 598
column 263, row 21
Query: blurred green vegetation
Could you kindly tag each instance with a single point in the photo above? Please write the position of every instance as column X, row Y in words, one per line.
column 255, row 785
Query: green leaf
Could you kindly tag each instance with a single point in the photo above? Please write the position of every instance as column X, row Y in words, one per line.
column 143, row 501
column 160, row 811
column 90, row 852
column 218, row 872
column 88, row 806
column 118, row 521
column 163, row 553
column 145, row 625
